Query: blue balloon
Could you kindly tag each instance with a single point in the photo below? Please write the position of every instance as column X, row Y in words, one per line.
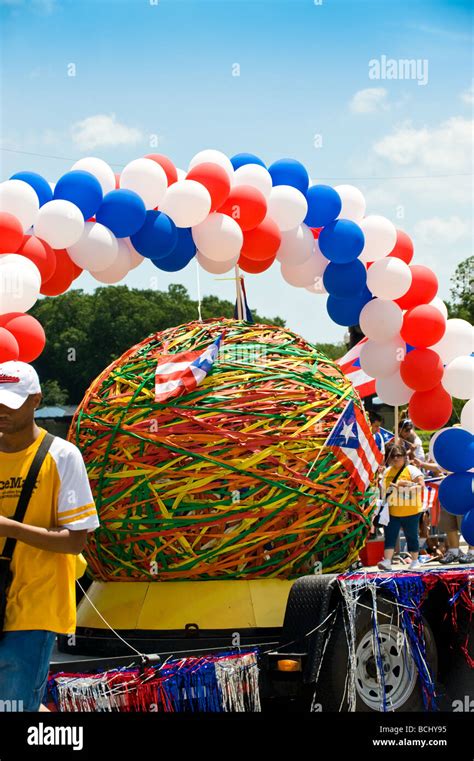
column 157, row 237
column 456, row 493
column 346, row 311
column 454, row 450
column 245, row 158
column 290, row 172
column 341, row 241
column 345, row 280
column 38, row 183
column 467, row 528
column 122, row 211
column 182, row 253
column 82, row 189
column 324, row 204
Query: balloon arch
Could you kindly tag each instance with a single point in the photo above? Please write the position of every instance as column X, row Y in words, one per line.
column 229, row 212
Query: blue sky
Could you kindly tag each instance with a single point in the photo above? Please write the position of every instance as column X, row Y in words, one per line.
column 165, row 69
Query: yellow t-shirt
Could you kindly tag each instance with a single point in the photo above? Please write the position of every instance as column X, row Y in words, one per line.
column 42, row 593
column 403, row 501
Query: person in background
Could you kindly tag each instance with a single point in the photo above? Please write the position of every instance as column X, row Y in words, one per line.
column 376, row 422
column 403, row 485
column 410, row 440
column 451, row 525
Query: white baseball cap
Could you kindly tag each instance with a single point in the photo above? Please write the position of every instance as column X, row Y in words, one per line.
column 17, row 381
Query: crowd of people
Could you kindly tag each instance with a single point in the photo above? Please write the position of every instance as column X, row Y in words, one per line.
column 403, row 506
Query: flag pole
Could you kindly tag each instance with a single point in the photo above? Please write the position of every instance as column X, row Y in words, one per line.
column 238, row 289
column 395, row 423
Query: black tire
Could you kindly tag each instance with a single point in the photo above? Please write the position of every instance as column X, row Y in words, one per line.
column 403, row 686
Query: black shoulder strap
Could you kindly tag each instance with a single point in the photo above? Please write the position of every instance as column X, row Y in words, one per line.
column 27, row 490
column 397, row 475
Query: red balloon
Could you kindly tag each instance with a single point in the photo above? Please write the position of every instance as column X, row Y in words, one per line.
column 316, row 231
column 77, row 270
column 62, row 276
column 253, row 266
column 166, row 164
column 421, row 369
column 8, row 346
column 28, row 332
column 423, row 288
column 262, row 242
column 423, row 325
column 40, row 253
column 117, row 180
column 215, row 179
column 247, row 205
column 431, row 409
column 11, row 233
column 403, row 248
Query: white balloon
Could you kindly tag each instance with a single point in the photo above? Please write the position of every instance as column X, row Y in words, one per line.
column 135, row 257
column 147, row 178
column 392, row 390
column 20, row 282
column 317, row 287
column 120, row 267
column 458, row 378
column 213, row 157
column 353, row 203
column 187, row 203
column 256, row 176
column 100, row 169
column 19, row 198
column 296, row 245
column 381, row 320
column 467, row 416
column 457, row 341
column 181, row 174
column 60, row 223
column 305, row 275
column 219, row 237
column 97, row 248
column 439, row 305
column 380, row 237
column 389, row 278
column 287, row 206
column 380, row 360
column 215, row 267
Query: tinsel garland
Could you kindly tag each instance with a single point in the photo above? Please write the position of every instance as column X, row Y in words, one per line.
column 231, row 480
column 222, row 683
column 408, row 592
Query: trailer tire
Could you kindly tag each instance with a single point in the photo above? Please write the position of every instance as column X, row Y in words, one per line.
column 401, row 676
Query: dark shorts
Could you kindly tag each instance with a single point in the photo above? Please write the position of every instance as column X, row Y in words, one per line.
column 24, row 667
column 410, row 525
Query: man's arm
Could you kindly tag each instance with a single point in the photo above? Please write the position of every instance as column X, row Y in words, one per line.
column 61, row 540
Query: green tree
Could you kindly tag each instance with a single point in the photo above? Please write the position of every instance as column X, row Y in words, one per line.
column 53, row 394
column 462, row 291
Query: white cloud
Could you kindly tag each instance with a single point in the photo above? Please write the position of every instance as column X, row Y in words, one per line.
column 103, row 130
column 369, row 101
column 446, row 148
column 468, row 95
column 438, row 231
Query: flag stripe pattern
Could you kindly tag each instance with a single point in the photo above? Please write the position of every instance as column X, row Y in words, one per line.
column 350, row 366
column 177, row 374
column 355, row 446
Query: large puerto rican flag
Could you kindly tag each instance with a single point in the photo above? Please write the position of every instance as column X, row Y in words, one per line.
column 354, row 445
column 177, row 374
column 350, row 366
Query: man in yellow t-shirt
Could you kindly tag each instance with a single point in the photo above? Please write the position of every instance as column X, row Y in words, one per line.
column 61, row 511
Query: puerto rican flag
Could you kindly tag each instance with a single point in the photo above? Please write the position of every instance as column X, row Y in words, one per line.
column 177, row 374
column 355, row 447
column 350, row 366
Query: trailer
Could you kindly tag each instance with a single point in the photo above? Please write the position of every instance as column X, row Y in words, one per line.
column 363, row 641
